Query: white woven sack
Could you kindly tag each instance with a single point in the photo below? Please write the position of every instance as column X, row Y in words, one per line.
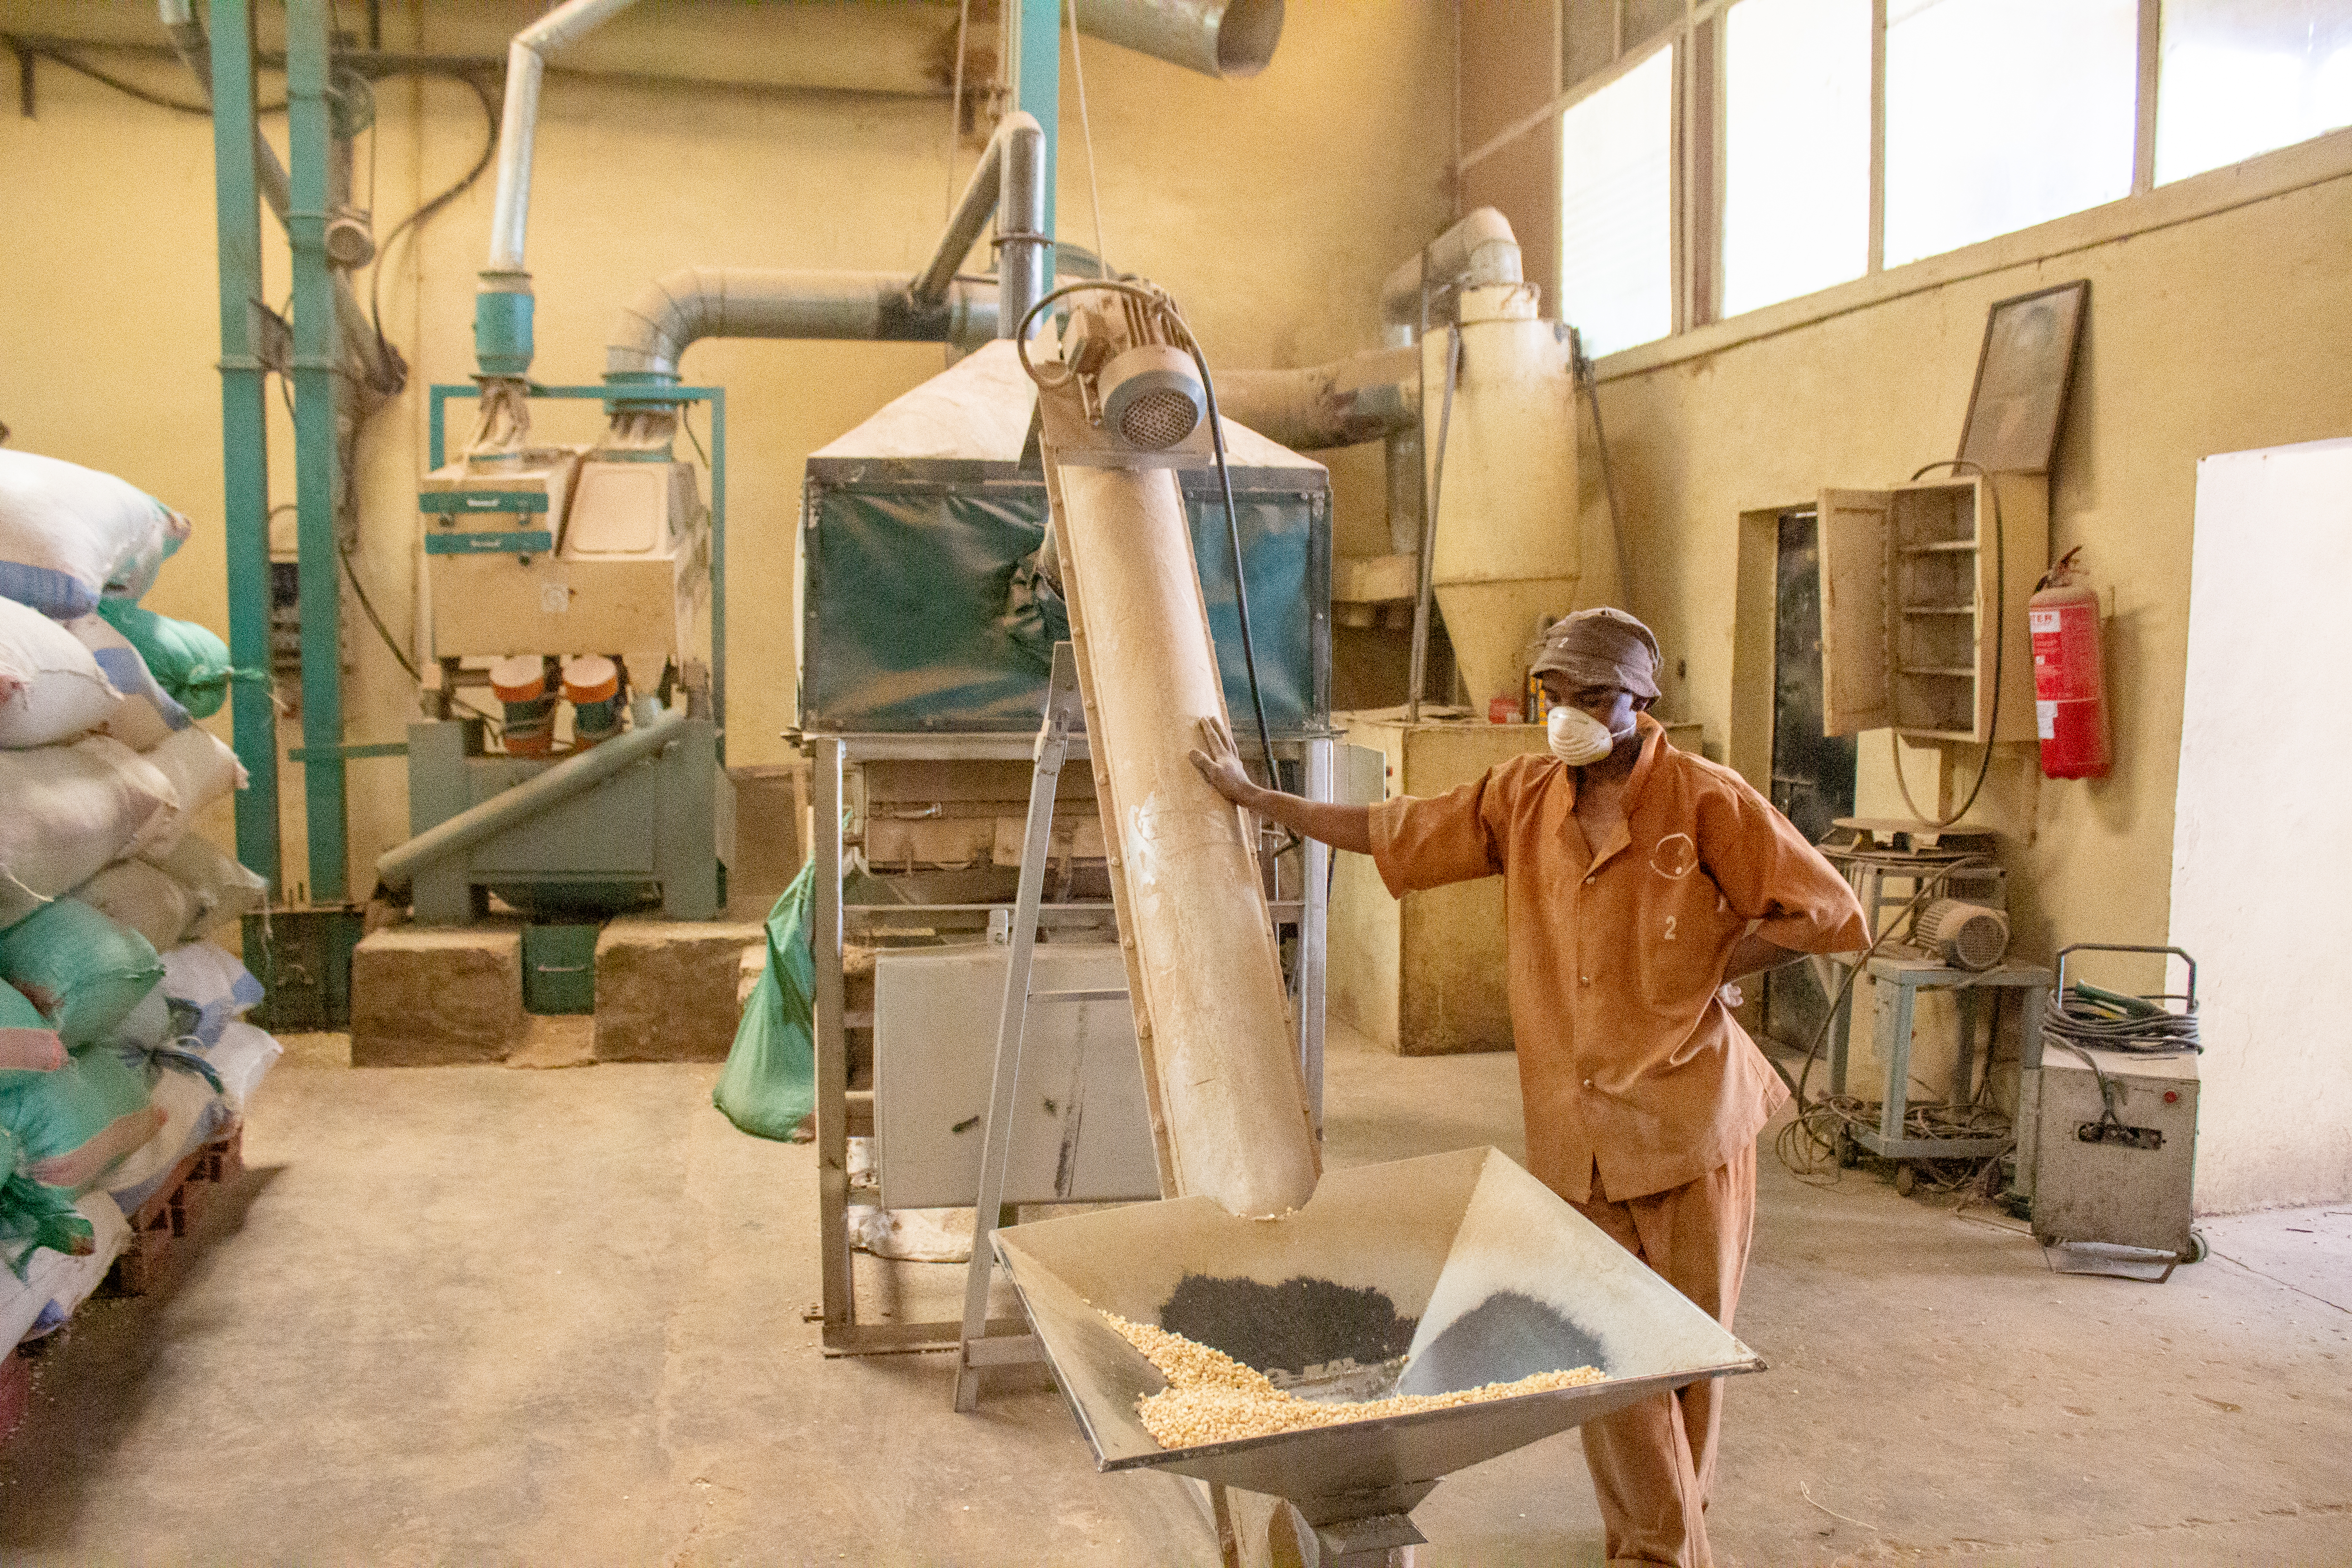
column 147, row 714
column 225, row 888
column 243, row 1056
column 202, row 769
column 52, row 687
column 70, row 534
column 147, row 898
column 70, row 810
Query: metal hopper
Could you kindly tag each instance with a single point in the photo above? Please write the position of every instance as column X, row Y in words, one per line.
column 1420, row 1276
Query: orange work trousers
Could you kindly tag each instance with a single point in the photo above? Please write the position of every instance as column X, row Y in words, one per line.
column 1654, row 1463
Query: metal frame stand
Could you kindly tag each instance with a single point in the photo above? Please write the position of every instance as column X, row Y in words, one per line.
column 1908, row 977
column 839, row 1105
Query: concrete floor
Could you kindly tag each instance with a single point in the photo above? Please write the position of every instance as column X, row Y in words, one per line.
column 481, row 1315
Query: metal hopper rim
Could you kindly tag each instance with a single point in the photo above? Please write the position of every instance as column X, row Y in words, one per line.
column 1638, row 1386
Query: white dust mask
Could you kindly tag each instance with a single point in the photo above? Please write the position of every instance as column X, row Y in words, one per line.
column 1577, row 737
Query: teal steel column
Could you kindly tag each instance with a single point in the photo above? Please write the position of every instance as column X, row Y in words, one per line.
column 245, row 435
column 718, row 563
column 1037, row 88
column 308, row 133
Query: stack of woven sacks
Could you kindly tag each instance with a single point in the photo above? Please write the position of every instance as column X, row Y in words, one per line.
column 122, row 1043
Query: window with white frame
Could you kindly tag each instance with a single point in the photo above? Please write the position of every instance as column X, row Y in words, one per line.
column 1616, row 209
column 2001, row 114
column 1796, row 122
column 2243, row 76
column 1717, row 156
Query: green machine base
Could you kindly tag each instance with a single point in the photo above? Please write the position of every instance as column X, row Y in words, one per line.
column 652, row 836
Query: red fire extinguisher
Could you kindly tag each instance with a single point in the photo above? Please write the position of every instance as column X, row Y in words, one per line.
column 2070, row 688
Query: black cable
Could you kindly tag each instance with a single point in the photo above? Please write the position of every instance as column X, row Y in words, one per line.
column 424, row 213
column 2000, row 644
column 1167, row 307
column 1234, row 538
column 59, row 57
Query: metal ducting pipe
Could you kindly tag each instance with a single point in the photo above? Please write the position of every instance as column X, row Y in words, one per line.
column 1022, row 243
column 1479, row 251
column 1010, row 183
column 695, row 302
column 1216, row 38
column 1362, row 398
column 397, row 867
column 502, row 299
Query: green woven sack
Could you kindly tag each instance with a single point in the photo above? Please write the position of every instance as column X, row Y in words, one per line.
column 81, row 970
column 769, row 1085
column 186, row 660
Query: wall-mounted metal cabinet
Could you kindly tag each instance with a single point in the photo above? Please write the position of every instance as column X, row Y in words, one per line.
column 1920, row 584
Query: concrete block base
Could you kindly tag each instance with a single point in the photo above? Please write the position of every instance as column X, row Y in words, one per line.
column 428, row 997
column 666, row 990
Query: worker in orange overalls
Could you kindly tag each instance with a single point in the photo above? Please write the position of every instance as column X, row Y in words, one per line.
column 1637, row 879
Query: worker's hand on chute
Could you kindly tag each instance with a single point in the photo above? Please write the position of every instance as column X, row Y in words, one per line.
column 1220, row 764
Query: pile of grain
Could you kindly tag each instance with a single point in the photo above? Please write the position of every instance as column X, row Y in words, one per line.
column 1213, row 1398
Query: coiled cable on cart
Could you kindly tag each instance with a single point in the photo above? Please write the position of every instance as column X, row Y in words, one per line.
column 2108, row 1021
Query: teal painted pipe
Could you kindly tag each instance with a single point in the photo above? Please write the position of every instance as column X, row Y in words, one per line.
column 245, row 440
column 1037, row 91
column 502, row 341
column 309, row 128
column 397, row 867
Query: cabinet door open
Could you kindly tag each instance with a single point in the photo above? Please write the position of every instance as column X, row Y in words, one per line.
column 1923, row 606
column 1854, row 542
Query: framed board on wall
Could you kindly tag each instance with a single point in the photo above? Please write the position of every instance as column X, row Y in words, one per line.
column 2024, row 373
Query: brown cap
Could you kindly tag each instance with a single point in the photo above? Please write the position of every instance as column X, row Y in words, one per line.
column 1602, row 647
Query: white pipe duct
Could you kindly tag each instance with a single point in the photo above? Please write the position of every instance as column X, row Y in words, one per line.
column 526, row 64
column 1361, row 398
column 1478, row 252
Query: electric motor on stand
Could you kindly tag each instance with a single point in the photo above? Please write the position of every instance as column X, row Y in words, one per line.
column 2070, row 688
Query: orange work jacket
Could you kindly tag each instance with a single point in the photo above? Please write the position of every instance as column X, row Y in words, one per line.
column 1632, row 1069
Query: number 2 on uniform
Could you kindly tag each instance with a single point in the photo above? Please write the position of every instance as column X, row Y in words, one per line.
column 1670, row 927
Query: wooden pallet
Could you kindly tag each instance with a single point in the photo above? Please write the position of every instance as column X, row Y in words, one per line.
column 158, row 1245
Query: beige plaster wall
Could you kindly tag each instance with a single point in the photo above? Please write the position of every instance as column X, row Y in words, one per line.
column 1271, row 208
column 2213, row 335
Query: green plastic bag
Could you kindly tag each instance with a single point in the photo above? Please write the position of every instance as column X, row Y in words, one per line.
column 81, row 970
column 769, row 1085
column 186, row 659
column 33, row 1216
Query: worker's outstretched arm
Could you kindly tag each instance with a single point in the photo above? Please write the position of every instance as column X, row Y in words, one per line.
column 1340, row 826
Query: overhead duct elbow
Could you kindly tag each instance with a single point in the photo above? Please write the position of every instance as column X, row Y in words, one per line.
column 695, row 302
column 1216, row 38
column 1018, row 139
column 1478, row 252
column 502, row 299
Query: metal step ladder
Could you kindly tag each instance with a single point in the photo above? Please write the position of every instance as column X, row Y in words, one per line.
column 1060, row 737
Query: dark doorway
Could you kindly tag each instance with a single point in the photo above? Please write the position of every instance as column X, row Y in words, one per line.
column 1812, row 774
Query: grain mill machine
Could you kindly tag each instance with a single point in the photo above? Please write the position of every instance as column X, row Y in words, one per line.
column 570, row 589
